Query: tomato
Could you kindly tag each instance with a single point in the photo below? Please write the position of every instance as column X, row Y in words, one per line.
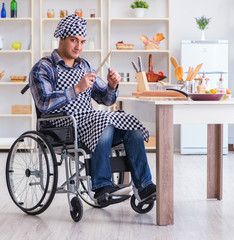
column 160, row 73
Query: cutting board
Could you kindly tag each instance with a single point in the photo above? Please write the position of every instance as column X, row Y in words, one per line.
column 160, row 94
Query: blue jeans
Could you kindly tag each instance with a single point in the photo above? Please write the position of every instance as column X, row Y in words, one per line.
column 136, row 155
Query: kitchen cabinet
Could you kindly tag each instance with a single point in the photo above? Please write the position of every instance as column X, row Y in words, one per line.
column 17, row 63
column 124, row 26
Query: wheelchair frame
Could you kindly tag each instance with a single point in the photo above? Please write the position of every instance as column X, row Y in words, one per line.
column 36, row 166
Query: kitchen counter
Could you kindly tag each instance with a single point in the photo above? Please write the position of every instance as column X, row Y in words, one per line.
column 168, row 113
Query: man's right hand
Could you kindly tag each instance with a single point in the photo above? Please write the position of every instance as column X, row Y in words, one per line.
column 86, row 82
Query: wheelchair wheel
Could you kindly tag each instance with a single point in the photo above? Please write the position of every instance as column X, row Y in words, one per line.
column 31, row 173
column 141, row 207
column 77, row 211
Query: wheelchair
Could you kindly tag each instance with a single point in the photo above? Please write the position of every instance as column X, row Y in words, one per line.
column 32, row 170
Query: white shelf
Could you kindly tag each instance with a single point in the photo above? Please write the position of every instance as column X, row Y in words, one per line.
column 95, row 31
column 84, row 51
column 127, row 83
column 16, row 62
column 16, row 51
column 15, row 115
column 139, row 19
column 134, row 83
column 5, row 143
column 13, row 83
column 58, row 19
column 15, row 19
column 140, row 51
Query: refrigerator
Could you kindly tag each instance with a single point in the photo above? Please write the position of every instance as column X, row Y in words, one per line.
column 214, row 56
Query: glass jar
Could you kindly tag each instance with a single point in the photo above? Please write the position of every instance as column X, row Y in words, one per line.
column 125, row 77
column 79, row 12
column 92, row 13
column 63, row 13
column 197, row 82
column 50, row 13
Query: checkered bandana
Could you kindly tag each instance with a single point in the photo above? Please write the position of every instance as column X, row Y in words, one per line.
column 70, row 26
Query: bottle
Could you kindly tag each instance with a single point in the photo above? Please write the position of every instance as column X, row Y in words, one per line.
column 92, row 13
column 3, row 12
column 220, row 87
column 13, row 9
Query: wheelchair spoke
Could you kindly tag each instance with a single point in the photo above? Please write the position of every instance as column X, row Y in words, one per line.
column 31, row 173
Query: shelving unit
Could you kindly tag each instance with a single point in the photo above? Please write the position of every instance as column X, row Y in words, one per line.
column 16, row 62
column 121, row 22
column 123, row 26
column 94, row 27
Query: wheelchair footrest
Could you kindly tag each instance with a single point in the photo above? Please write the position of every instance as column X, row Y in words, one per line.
column 148, row 200
column 108, row 199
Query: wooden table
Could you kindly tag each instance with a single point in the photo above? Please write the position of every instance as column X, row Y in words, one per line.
column 168, row 113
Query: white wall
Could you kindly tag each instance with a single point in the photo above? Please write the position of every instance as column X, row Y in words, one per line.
column 183, row 26
column 221, row 27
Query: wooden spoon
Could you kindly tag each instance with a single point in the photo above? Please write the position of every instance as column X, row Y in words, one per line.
column 196, row 71
column 174, row 62
column 1, row 74
column 190, row 71
column 179, row 72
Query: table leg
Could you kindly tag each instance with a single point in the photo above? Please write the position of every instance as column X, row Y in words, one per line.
column 164, row 164
column 214, row 161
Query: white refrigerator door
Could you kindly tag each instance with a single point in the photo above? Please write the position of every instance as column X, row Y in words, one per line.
column 214, row 56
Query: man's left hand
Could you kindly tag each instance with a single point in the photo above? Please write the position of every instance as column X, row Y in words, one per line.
column 113, row 79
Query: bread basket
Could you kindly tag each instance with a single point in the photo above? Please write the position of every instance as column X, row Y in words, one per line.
column 18, row 78
column 124, row 46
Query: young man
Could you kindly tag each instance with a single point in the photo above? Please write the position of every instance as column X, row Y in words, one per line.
column 66, row 82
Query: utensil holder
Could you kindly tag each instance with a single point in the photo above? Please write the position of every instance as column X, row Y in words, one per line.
column 142, row 83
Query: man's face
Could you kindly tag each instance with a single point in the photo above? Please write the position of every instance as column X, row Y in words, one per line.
column 72, row 46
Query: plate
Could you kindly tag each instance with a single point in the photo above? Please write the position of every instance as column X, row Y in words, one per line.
column 206, row 97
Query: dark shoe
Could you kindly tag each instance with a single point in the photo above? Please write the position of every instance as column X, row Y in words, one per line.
column 148, row 191
column 107, row 189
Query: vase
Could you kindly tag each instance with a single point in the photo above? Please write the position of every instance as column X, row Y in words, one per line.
column 203, row 35
column 139, row 12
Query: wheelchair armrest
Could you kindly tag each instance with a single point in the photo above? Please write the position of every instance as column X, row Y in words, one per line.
column 52, row 115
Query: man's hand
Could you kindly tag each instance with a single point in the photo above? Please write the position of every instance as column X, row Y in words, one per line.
column 113, row 79
column 86, row 82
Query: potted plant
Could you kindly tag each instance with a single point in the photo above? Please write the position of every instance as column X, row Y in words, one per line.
column 139, row 7
column 202, row 24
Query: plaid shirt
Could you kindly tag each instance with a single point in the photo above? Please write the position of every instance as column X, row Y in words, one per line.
column 43, row 79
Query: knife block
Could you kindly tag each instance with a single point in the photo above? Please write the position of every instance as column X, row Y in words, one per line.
column 142, row 83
